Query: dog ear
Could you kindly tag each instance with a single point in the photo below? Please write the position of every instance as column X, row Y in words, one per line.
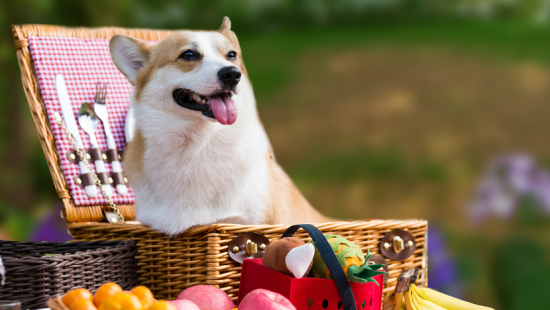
column 129, row 55
column 225, row 28
column 235, row 41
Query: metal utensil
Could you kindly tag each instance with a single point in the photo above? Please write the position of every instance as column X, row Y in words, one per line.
column 87, row 119
column 70, row 122
column 101, row 111
column 130, row 125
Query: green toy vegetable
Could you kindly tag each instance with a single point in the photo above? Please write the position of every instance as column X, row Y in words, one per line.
column 351, row 259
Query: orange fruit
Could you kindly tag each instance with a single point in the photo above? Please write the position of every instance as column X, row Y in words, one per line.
column 83, row 304
column 121, row 301
column 74, row 295
column 105, row 291
column 144, row 295
column 162, row 305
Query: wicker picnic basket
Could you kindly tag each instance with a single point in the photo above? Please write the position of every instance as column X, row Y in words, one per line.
column 167, row 265
column 38, row 271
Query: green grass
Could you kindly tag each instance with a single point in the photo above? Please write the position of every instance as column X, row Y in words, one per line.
column 370, row 165
column 270, row 58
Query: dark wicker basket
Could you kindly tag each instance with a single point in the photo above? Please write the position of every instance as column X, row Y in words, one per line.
column 38, row 271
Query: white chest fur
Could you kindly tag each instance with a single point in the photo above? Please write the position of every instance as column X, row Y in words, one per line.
column 197, row 173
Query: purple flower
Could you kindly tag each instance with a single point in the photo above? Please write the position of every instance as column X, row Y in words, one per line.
column 442, row 275
column 541, row 189
column 514, row 171
column 507, row 180
column 491, row 197
column 52, row 228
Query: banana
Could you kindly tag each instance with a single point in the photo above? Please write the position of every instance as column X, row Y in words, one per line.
column 408, row 301
column 417, row 304
column 446, row 301
column 423, row 303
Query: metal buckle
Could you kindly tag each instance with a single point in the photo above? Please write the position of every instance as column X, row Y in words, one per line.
column 247, row 245
column 398, row 244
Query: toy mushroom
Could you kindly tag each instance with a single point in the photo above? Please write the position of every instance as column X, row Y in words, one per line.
column 291, row 256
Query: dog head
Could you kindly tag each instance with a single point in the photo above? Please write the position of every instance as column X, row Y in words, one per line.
column 193, row 74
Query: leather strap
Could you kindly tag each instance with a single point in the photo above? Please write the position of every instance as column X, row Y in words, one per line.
column 330, row 259
column 88, row 179
column 95, row 154
column 84, row 180
column 104, row 178
column 92, row 155
column 118, row 178
column 112, row 155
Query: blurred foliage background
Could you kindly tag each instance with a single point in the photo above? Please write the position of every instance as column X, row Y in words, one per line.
column 376, row 108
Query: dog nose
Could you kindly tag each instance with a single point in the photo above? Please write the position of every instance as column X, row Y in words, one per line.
column 229, row 76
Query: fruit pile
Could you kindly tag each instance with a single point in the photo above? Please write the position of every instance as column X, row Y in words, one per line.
column 110, row 296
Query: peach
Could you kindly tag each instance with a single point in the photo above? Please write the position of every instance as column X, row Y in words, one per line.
column 182, row 304
column 207, row 297
column 261, row 299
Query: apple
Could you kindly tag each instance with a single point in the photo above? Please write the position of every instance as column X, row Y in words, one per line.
column 207, row 297
column 182, row 304
column 261, row 299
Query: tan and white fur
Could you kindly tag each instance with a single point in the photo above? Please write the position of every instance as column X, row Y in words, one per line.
column 187, row 169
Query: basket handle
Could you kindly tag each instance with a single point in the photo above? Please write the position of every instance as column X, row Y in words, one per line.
column 330, row 259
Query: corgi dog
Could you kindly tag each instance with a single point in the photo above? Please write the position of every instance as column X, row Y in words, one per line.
column 199, row 153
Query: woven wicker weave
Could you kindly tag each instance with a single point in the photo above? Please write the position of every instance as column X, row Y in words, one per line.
column 199, row 256
column 34, row 275
column 168, row 265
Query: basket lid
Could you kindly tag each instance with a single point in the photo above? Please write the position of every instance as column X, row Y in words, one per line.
column 82, row 56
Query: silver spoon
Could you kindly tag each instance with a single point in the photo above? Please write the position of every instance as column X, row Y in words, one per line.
column 87, row 119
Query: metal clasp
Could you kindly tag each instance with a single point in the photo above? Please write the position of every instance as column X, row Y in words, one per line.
column 398, row 244
column 247, row 245
column 251, row 247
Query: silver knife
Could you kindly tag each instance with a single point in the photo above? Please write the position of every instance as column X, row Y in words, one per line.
column 70, row 122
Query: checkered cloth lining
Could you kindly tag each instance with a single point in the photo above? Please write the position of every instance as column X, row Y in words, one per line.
column 83, row 62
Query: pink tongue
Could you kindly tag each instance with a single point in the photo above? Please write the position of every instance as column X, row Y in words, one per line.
column 224, row 109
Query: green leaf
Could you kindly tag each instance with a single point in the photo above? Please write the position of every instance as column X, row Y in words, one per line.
column 376, row 266
column 359, row 274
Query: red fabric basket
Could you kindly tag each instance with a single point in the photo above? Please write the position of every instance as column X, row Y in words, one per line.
column 323, row 293
column 309, row 293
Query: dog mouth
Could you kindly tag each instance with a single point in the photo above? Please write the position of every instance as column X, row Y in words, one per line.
column 219, row 106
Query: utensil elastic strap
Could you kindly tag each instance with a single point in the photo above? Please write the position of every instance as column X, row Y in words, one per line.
column 80, row 153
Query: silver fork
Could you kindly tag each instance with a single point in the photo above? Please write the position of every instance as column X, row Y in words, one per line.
column 101, row 111
column 87, row 119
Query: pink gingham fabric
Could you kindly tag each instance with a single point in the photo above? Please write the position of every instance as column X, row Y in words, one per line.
column 83, row 63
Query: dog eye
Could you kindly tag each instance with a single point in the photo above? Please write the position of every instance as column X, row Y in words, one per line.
column 189, row 55
column 231, row 55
